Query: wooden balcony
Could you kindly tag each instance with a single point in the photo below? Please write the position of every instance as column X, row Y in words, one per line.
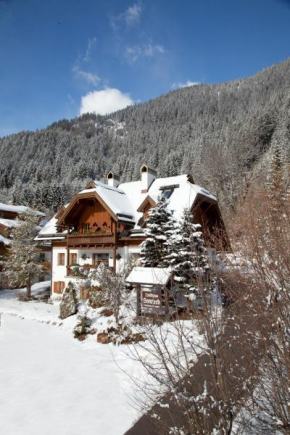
column 91, row 239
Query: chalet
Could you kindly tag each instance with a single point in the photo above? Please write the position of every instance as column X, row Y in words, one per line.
column 104, row 223
column 10, row 217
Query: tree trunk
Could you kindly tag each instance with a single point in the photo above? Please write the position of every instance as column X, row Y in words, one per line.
column 28, row 288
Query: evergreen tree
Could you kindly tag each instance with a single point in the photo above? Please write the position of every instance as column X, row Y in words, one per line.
column 187, row 253
column 158, row 227
column 22, row 264
column 83, row 325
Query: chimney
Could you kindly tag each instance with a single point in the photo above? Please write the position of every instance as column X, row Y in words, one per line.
column 148, row 175
column 113, row 179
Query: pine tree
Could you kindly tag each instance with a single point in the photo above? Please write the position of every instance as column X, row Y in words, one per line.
column 22, row 264
column 158, row 226
column 83, row 325
column 187, row 253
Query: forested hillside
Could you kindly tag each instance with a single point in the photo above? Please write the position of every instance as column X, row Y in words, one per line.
column 222, row 134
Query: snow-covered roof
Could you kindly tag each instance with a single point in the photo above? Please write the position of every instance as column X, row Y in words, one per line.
column 149, row 275
column 18, row 209
column 49, row 227
column 125, row 199
column 9, row 223
column 183, row 196
column 49, row 231
column 4, row 241
column 115, row 198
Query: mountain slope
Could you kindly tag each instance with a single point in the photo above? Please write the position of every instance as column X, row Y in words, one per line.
column 219, row 133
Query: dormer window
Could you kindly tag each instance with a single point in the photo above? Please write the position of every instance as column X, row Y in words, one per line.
column 166, row 193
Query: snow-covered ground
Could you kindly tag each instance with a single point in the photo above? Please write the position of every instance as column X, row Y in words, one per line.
column 53, row 384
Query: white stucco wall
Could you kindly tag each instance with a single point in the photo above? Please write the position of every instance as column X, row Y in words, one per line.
column 59, row 273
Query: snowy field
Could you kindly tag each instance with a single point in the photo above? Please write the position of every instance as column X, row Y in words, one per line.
column 53, row 384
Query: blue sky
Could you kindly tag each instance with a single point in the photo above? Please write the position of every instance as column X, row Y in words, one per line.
column 60, row 58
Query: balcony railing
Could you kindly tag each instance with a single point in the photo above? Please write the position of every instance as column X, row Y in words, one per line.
column 71, row 271
column 91, row 239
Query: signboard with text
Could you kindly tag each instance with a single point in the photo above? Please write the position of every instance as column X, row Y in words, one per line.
column 152, row 299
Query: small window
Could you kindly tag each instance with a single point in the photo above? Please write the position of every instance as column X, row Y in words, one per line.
column 101, row 259
column 41, row 257
column 60, row 259
column 166, row 193
column 73, row 258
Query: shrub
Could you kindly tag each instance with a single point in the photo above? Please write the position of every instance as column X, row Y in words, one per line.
column 69, row 302
column 82, row 327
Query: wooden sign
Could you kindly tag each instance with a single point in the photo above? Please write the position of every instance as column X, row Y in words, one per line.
column 151, row 300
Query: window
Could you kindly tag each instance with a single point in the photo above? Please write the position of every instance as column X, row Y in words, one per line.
column 73, row 258
column 166, row 193
column 60, row 259
column 58, row 286
column 86, row 228
column 100, row 259
column 41, row 257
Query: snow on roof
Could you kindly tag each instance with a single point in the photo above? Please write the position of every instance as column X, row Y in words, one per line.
column 9, row 223
column 49, row 228
column 18, row 209
column 4, row 241
column 132, row 190
column 183, row 196
column 115, row 198
column 149, row 275
column 125, row 199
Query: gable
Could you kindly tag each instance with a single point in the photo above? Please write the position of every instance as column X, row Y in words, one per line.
column 85, row 205
column 206, row 212
column 147, row 204
column 95, row 218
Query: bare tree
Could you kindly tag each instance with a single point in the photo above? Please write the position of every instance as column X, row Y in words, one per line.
column 264, row 229
column 199, row 371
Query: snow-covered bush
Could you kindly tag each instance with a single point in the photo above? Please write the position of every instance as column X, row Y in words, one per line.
column 83, row 325
column 97, row 297
column 114, row 289
column 69, row 302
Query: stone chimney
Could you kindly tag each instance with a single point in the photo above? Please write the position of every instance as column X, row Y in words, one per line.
column 148, row 175
column 113, row 179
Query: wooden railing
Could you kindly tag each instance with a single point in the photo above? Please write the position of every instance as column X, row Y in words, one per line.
column 90, row 239
column 71, row 272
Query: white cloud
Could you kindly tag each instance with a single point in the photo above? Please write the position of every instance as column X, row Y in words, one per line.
column 130, row 17
column 132, row 14
column 147, row 50
column 105, row 101
column 177, row 85
column 91, row 44
column 89, row 77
